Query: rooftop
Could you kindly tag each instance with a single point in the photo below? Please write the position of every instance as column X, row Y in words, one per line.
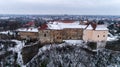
column 31, row 29
column 98, row 27
column 59, row 25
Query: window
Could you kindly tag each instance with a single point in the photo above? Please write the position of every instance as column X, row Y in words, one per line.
column 98, row 35
column 44, row 35
column 57, row 37
column 103, row 35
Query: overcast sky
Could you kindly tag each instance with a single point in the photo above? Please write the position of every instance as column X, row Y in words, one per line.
column 78, row 7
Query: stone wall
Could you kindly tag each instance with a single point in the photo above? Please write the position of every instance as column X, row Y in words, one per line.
column 57, row 36
column 95, row 35
column 79, row 34
column 73, row 34
column 31, row 35
column 45, row 36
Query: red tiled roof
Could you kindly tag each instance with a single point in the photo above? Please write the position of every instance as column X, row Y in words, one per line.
column 43, row 27
column 29, row 24
column 66, row 21
column 63, row 21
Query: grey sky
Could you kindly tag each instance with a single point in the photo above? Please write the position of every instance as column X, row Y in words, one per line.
column 81, row 7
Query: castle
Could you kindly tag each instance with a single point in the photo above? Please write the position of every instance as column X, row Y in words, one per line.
column 57, row 31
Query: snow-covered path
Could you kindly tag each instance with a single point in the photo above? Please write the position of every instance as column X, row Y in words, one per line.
column 18, row 49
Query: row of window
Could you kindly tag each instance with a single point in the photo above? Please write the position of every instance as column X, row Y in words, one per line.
column 57, row 37
column 99, row 36
column 70, row 37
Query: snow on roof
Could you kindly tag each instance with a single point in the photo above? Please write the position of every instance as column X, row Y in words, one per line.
column 72, row 26
column 28, row 29
column 98, row 27
column 101, row 27
column 89, row 27
column 53, row 26
column 57, row 25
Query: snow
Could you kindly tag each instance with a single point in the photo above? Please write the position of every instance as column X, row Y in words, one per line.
column 6, row 32
column 111, row 37
column 44, row 48
column 18, row 49
column 85, row 21
column 58, row 25
column 53, row 26
column 72, row 26
column 101, row 27
column 89, row 27
column 19, row 45
column 73, row 41
column 48, row 47
column 1, row 45
column 4, row 18
column 31, row 29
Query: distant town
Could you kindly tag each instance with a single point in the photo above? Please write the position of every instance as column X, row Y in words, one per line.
column 21, row 25
column 57, row 29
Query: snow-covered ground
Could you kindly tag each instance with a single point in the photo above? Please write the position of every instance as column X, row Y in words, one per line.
column 67, row 42
column 6, row 32
column 73, row 41
column 18, row 49
column 111, row 37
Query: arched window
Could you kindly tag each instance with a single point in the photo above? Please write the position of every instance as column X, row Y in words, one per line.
column 44, row 35
column 98, row 36
column 103, row 35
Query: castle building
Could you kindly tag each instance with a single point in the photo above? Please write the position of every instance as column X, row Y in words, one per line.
column 45, row 36
column 95, row 33
column 28, row 33
column 56, row 32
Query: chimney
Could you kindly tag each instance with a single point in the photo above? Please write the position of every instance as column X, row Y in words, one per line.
column 31, row 28
column 94, row 25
